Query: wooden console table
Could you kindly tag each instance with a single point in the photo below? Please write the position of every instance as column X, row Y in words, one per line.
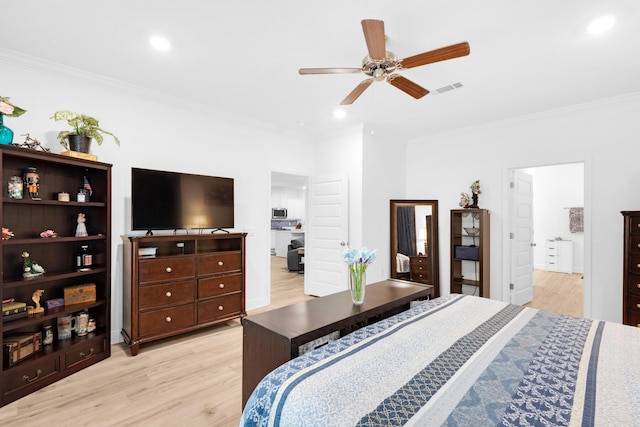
column 275, row 337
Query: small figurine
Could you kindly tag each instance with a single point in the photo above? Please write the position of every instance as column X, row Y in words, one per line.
column 36, row 298
column 48, row 233
column 465, row 200
column 32, row 183
column 31, row 269
column 475, row 190
column 6, row 233
column 81, row 229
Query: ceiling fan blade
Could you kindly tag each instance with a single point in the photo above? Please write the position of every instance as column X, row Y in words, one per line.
column 356, row 92
column 374, row 36
column 442, row 54
column 329, row 70
column 407, row 86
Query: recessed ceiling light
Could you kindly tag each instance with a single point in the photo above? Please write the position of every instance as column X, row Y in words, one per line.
column 339, row 114
column 160, row 43
column 601, row 25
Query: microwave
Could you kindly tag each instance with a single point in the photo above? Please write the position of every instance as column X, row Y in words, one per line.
column 278, row 213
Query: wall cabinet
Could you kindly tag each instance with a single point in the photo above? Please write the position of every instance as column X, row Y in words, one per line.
column 470, row 253
column 180, row 283
column 27, row 218
column 559, row 256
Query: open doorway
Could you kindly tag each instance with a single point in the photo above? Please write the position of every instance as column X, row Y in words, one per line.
column 288, row 195
column 557, row 238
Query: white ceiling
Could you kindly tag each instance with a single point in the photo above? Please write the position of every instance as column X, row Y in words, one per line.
column 242, row 56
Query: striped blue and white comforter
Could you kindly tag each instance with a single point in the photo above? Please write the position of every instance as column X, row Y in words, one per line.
column 461, row 361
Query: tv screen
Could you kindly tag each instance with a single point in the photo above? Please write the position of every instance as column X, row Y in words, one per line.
column 163, row 200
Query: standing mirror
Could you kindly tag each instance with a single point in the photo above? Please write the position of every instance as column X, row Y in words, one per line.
column 414, row 242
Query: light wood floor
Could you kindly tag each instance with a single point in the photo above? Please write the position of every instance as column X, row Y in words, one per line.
column 195, row 379
column 558, row 292
column 192, row 380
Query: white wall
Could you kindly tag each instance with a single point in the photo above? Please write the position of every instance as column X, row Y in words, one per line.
column 160, row 133
column 383, row 177
column 602, row 135
column 555, row 189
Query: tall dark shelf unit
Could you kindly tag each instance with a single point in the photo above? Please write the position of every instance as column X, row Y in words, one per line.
column 470, row 253
column 26, row 218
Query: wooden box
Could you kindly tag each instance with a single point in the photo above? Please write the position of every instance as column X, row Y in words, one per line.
column 17, row 347
column 80, row 294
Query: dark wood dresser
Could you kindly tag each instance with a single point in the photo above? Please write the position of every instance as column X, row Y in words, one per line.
column 185, row 283
column 631, row 272
column 419, row 269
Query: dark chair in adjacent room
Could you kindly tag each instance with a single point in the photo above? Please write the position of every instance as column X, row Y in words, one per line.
column 295, row 255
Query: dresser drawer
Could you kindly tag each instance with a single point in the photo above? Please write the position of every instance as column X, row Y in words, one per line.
column 167, row 320
column 219, row 307
column 633, row 318
column 634, row 227
column 219, row 285
column 552, row 248
column 165, row 269
column 634, row 263
column 634, row 244
column 219, row 262
column 633, row 283
column 165, row 294
column 19, row 378
column 85, row 351
column 422, row 277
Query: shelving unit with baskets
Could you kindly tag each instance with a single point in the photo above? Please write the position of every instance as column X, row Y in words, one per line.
column 470, row 251
column 27, row 218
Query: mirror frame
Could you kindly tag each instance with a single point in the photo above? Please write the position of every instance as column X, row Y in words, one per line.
column 433, row 247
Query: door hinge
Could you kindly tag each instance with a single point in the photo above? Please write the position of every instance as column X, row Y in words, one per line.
column 512, row 236
column 511, row 286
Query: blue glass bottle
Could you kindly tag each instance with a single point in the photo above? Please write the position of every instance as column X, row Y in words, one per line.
column 6, row 134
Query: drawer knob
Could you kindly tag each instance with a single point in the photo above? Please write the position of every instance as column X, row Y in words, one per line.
column 638, row 285
column 168, row 270
column 638, row 305
column 30, row 380
column 168, row 294
column 220, row 308
column 221, row 285
column 168, row 319
column 220, row 263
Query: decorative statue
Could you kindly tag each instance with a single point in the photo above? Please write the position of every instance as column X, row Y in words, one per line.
column 31, row 269
column 36, row 298
column 81, row 229
column 471, row 202
column 32, row 183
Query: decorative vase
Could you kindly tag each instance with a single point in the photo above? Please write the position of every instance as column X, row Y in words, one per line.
column 80, row 144
column 6, row 134
column 357, row 282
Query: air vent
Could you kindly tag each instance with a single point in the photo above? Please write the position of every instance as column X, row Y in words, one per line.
column 448, row 88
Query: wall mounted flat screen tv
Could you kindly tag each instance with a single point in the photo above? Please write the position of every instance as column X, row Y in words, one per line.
column 162, row 200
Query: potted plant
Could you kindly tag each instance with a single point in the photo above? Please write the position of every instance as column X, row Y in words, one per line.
column 85, row 128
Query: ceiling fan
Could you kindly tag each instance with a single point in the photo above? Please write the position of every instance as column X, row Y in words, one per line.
column 381, row 64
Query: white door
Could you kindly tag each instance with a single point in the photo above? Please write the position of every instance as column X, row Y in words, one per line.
column 328, row 232
column 522, row 238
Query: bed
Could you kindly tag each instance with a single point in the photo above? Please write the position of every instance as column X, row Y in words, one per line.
column 460, row 361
